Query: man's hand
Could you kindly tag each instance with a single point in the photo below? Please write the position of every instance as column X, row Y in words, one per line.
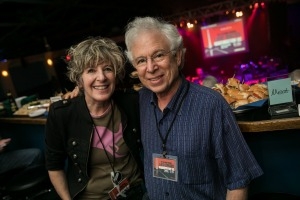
column 4, row 143
column 72, row 94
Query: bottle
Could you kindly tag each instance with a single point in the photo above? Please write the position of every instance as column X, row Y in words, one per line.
column 12, row 102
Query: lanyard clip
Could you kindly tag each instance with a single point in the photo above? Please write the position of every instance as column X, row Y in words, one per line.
column 164, row 154
column 164, row 149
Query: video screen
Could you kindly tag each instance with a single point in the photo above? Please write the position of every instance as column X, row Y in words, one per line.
column 225, row 38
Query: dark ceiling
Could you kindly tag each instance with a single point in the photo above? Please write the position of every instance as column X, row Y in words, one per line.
column 29, row 27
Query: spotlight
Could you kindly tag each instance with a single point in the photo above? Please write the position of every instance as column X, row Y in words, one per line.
column 239, row 14
column 190, row 25
column 4, row 73
column 49, row 62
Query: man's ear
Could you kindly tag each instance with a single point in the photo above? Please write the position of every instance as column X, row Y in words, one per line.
column 178, row 57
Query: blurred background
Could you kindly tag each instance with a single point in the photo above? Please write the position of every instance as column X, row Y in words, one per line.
column 263, row 39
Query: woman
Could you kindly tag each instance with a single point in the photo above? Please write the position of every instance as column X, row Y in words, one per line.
column 98, row 132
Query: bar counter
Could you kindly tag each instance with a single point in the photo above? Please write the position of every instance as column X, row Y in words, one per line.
column 23, row 120
column 245, row 126
column 273, row 141
column 270, row 125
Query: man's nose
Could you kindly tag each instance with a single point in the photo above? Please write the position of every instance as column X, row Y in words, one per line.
column 151, row 65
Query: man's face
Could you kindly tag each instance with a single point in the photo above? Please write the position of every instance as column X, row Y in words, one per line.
column 157, row 65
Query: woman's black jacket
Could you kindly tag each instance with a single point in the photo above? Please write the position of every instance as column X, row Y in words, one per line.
column 69, row 130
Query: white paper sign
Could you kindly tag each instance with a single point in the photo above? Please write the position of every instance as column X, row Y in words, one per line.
column 280, row 91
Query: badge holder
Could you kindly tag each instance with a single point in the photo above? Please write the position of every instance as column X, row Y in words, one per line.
column 120, row 186
column 165, row 167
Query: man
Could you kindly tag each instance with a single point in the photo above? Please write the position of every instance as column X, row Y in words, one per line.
column 209, row 81
column 193, row 147
column 18, row 159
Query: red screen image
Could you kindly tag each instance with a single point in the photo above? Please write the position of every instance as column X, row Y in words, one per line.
column 224, row 38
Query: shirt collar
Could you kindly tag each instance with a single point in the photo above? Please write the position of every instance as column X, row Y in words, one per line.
column 172, row 105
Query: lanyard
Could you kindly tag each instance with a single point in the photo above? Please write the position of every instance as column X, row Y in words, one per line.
column 164, row 140
column 113, row 137
column 116, row 176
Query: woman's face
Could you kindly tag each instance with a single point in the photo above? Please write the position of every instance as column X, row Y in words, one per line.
column 98, row 83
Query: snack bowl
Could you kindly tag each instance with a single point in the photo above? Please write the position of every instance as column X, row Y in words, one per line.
column 37, row 112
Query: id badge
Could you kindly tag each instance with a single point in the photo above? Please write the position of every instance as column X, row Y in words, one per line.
column 119, row 190
column 165, row 167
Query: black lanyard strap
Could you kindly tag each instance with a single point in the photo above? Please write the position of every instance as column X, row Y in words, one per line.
column 112, row 163
column 164, row 140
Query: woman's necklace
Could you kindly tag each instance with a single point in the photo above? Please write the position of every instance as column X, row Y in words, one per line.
column 104, row 113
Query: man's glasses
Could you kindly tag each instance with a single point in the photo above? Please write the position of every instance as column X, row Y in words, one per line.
column 156, row 57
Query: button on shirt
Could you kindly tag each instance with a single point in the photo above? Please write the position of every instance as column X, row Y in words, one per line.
column 212, row 153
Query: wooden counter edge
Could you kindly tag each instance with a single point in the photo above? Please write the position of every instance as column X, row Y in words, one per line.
column 24, row 120
column 245, row 126
column 270, row 125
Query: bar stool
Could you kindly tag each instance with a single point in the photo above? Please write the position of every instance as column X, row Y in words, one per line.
column 28, row 184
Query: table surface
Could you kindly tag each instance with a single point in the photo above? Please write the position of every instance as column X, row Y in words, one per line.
column 257, row 120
